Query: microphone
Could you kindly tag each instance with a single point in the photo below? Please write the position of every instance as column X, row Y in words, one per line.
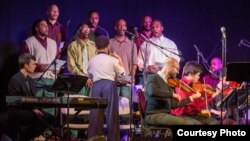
column 223, row 30
column 136, row 32
column 130, row 33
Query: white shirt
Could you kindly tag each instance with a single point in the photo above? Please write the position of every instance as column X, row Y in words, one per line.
column 103, row 66
column 162, row 76
column 143, row 54
column 157, row 55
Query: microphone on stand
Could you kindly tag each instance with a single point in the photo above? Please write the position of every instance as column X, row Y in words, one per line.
column 223, row 30
column 130, row 33
column 136, row 32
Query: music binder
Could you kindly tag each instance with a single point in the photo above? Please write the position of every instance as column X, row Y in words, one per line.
column 239, row 71
column 69, row 83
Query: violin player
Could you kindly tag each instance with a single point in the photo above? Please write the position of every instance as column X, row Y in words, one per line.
column 161, row 98
column 191, row 74
column 214, row 78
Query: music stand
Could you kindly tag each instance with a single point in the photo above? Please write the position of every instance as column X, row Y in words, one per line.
column 239, row 71
column 69, row 84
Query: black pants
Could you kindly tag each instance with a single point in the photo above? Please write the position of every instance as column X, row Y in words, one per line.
column 25, row 124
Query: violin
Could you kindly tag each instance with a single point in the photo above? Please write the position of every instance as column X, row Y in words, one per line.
column 230, row 88
column 203, row 88
column 188, row 89
column 173, row 82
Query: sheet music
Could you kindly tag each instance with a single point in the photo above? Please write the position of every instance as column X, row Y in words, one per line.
column 59, row 64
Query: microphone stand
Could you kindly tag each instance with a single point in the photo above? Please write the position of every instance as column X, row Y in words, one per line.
column 224, row 50
column 52, row 63
column 245, row 43
column 64, row 48
column 163, row 48
column 198, row 54
column 132, row 87
column 204, row 61
column 144, row 58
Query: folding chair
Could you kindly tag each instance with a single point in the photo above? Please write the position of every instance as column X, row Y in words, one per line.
column 150, row 130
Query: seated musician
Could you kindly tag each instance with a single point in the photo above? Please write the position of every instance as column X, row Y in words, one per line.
column 195, row 109
column 102, row 69
column 21, row 84
column 161, row 98
column 214, row 78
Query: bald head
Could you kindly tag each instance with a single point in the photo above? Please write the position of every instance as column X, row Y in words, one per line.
column 171, row 67
column 216, row 64
column 171, row 61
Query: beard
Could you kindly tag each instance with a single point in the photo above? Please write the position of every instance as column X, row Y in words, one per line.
column 172, row 75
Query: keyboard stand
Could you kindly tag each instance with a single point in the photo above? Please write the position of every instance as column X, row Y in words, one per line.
column 50, row 127
column 69, row 84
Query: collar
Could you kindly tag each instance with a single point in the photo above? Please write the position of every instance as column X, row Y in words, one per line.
column 84, row 42
column 101, row 52
column 26, row 78
column 125, row 40
column 162, row 76
column 40, row 39
column 158, row 38
column 56, row 23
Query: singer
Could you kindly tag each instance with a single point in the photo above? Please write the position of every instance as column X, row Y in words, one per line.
column 145, row 30
column 214, row 78
column 45, row 50
column 95, row 29
column 56, row 29
column 79, row 53
column 122, row 45
column 158, row 55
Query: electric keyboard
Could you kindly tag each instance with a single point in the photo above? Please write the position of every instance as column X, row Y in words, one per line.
column 59, row 102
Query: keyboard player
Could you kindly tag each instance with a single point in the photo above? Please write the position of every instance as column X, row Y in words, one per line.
column 21, row 84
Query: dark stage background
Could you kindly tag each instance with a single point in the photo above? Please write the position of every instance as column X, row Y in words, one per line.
column 186, row 22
